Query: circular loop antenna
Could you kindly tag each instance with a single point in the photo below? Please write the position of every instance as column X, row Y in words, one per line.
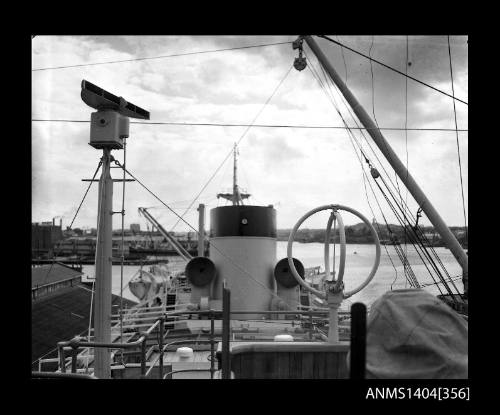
column 322, row 294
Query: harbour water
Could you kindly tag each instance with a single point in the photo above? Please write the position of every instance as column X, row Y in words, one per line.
column 359, row 260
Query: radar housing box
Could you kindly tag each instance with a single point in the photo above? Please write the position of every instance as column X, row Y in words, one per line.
column 110, row 124
column 108, row 128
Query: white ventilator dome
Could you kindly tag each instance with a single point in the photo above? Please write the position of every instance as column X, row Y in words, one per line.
column 283, row 338
column 184, row 352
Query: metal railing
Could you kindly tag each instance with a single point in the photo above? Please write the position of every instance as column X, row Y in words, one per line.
column 55, row 375
column 186, row 370
column 77, row 344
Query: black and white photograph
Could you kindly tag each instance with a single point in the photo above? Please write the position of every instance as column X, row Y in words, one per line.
column 263, row 207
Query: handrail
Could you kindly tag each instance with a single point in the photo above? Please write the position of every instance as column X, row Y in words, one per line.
column 55, row 375
column 305, row 312
column 185, row 370
column 76, row 344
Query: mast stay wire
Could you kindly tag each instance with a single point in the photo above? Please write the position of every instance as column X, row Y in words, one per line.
column 404, row 260
column 332, row 100
column 373, row 108
column 408, row 211
column 358, row 127
column 406, row 126
column 420, row 237
column 458, row 143
column 413, row 282
column 391, row 68
column 76, row 214
column 237, row 143
column 85, row 195
column 376, row 123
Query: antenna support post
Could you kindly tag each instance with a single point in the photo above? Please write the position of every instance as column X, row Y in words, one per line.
column 334, row 299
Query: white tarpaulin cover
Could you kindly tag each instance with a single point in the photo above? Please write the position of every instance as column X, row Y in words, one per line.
column 413, row 335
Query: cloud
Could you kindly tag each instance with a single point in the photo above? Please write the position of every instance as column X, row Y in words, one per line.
column 298, row 168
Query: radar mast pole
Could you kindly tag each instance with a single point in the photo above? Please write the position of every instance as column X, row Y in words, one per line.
column 103, row 270
column 109, row 126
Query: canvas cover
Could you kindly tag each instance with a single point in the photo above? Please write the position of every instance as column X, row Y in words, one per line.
column 411, row 334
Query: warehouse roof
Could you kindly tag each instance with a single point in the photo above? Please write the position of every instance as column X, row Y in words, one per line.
column 61, row 316
column 48, row 274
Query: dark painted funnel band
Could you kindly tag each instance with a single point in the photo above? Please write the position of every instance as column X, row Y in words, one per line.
column 243, row 220
column 200, row 271
column 284, row 276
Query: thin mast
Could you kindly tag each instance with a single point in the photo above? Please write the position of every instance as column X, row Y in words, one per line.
column 424, row 203
column 236, row 197
column 103, row 270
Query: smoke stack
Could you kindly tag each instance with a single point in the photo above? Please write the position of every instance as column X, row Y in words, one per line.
column 60, row 223
column 53, row 221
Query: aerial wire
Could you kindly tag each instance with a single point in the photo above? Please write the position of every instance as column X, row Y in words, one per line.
column 161, row 57
column 191, row 124
column 458, row 143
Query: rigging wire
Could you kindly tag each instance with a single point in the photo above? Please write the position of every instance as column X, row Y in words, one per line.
column 343, row 58
column 392, row 69
column 406, row 131
column 237, row 143
column 161, row 57
column 373, row 108
column 76, row 214
column 458, row 143
column 327, row 127
column 85, row 195
column 354, row 118
column 333, row 101
column 398, row 249
column 419, row 240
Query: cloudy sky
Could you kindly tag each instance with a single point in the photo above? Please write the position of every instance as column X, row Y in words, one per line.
column 293, row 169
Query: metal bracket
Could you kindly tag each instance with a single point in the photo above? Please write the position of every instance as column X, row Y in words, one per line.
column 300, row 62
